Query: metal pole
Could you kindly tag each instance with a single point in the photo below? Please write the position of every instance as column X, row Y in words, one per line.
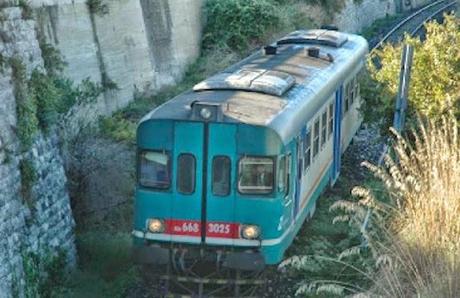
column 403, row 91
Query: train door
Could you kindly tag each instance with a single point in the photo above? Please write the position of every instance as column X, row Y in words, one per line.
column 337, row 135
column 219, row 200
column 188, row 160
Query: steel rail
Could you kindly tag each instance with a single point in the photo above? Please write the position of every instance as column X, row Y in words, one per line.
column 432, row 16
column 403, row 22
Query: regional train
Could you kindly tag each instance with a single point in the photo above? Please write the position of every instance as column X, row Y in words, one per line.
column 235, row 166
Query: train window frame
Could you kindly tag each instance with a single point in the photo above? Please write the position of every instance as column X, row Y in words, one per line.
column 229, row 182
column 273, row 180
column 323, row 128
column 330, row 121
column 178, row 174
column 307, row 148
column 346, row 105
column 168, row 167
column 316, row 133
column 353, row 90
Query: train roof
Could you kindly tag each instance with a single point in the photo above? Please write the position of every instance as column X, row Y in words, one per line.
column 279, row 90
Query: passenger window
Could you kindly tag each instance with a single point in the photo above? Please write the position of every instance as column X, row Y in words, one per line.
column 347, row 98
column 154, row 169
column 255, row 175
column 353, row 91
column 186, row 167
column 221, row 169
column 323, row 128
column 307, row 152
column 282, row 174
column 316, row 138
column 331, row 120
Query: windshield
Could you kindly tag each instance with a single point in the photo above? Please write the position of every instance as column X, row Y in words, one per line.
column 255, row 175
column 154, row 170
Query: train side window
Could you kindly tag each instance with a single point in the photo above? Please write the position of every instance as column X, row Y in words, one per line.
column 255, row 175
column 347, row 98
column 353, row 90
column 154, row 169
column 186, row 168
column 331, row 120
column 323, row 128
column 307, row 152
column 316, row 138
column 221, row 169
column 284, row 173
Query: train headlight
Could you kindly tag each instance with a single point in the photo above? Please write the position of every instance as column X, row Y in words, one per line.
column 155, row 225
column 250, row 232
column 205, row 113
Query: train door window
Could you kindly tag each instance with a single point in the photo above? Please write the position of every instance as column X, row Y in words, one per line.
column 186, row 167
column 307, row 152
column 154, row 169
column 221, row 169
column 316, row 138
column 323, row 128
column 331, row 120
column 255, row 175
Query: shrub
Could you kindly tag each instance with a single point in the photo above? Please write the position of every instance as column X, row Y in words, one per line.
column 435, row 78
column 28, row 179
column 46, row 96
column 236, row 23
column 26, row 106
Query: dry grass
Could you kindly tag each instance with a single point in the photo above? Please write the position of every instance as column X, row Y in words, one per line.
column 415, row 237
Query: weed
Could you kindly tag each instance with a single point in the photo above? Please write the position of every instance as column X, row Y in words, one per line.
column 97, row 7
column 28, row 179
column 27, row 12
column 26, row 106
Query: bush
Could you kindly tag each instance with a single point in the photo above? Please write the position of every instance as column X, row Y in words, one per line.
column 435, row 79
column 26, row 106
column 236, row 23
column 47, row 96
column 28, row 179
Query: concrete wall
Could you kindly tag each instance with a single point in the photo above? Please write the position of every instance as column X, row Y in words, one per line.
column 46, row 224
column 140, row 45
column 355, row 17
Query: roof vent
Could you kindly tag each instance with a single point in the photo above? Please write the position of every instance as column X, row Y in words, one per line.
column 330, row 27
column 317, row 36
column 248, row 79
column 270, row 50
column 313, row 52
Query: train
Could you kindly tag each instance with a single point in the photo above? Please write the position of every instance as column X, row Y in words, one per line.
column 230, row 170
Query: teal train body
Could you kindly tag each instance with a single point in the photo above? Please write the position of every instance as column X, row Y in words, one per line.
column 235, row 166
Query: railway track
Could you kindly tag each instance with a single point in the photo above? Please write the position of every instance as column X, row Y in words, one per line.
column 413, row 23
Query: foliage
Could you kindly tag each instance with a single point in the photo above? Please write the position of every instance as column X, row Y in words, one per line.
column 26, row 106
column 46, row 96
column 380, row 26
column 44, row 274
column 27, row 12
column 52, row 58
column 233, row 23
column 435, row 80
column 415, row 237
column 118, row 129
column 97, row 7
column 28, row 179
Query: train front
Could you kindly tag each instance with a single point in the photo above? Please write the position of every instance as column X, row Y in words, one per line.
column 210, row 192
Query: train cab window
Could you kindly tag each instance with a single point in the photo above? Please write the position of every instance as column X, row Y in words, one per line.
column 307, row 152
column 221, row 167
column 255, row 175
column 323, row 128
column 154, row 169
column 186, row 167
column 316, row 138
column 331, row 120
column 284, row 173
